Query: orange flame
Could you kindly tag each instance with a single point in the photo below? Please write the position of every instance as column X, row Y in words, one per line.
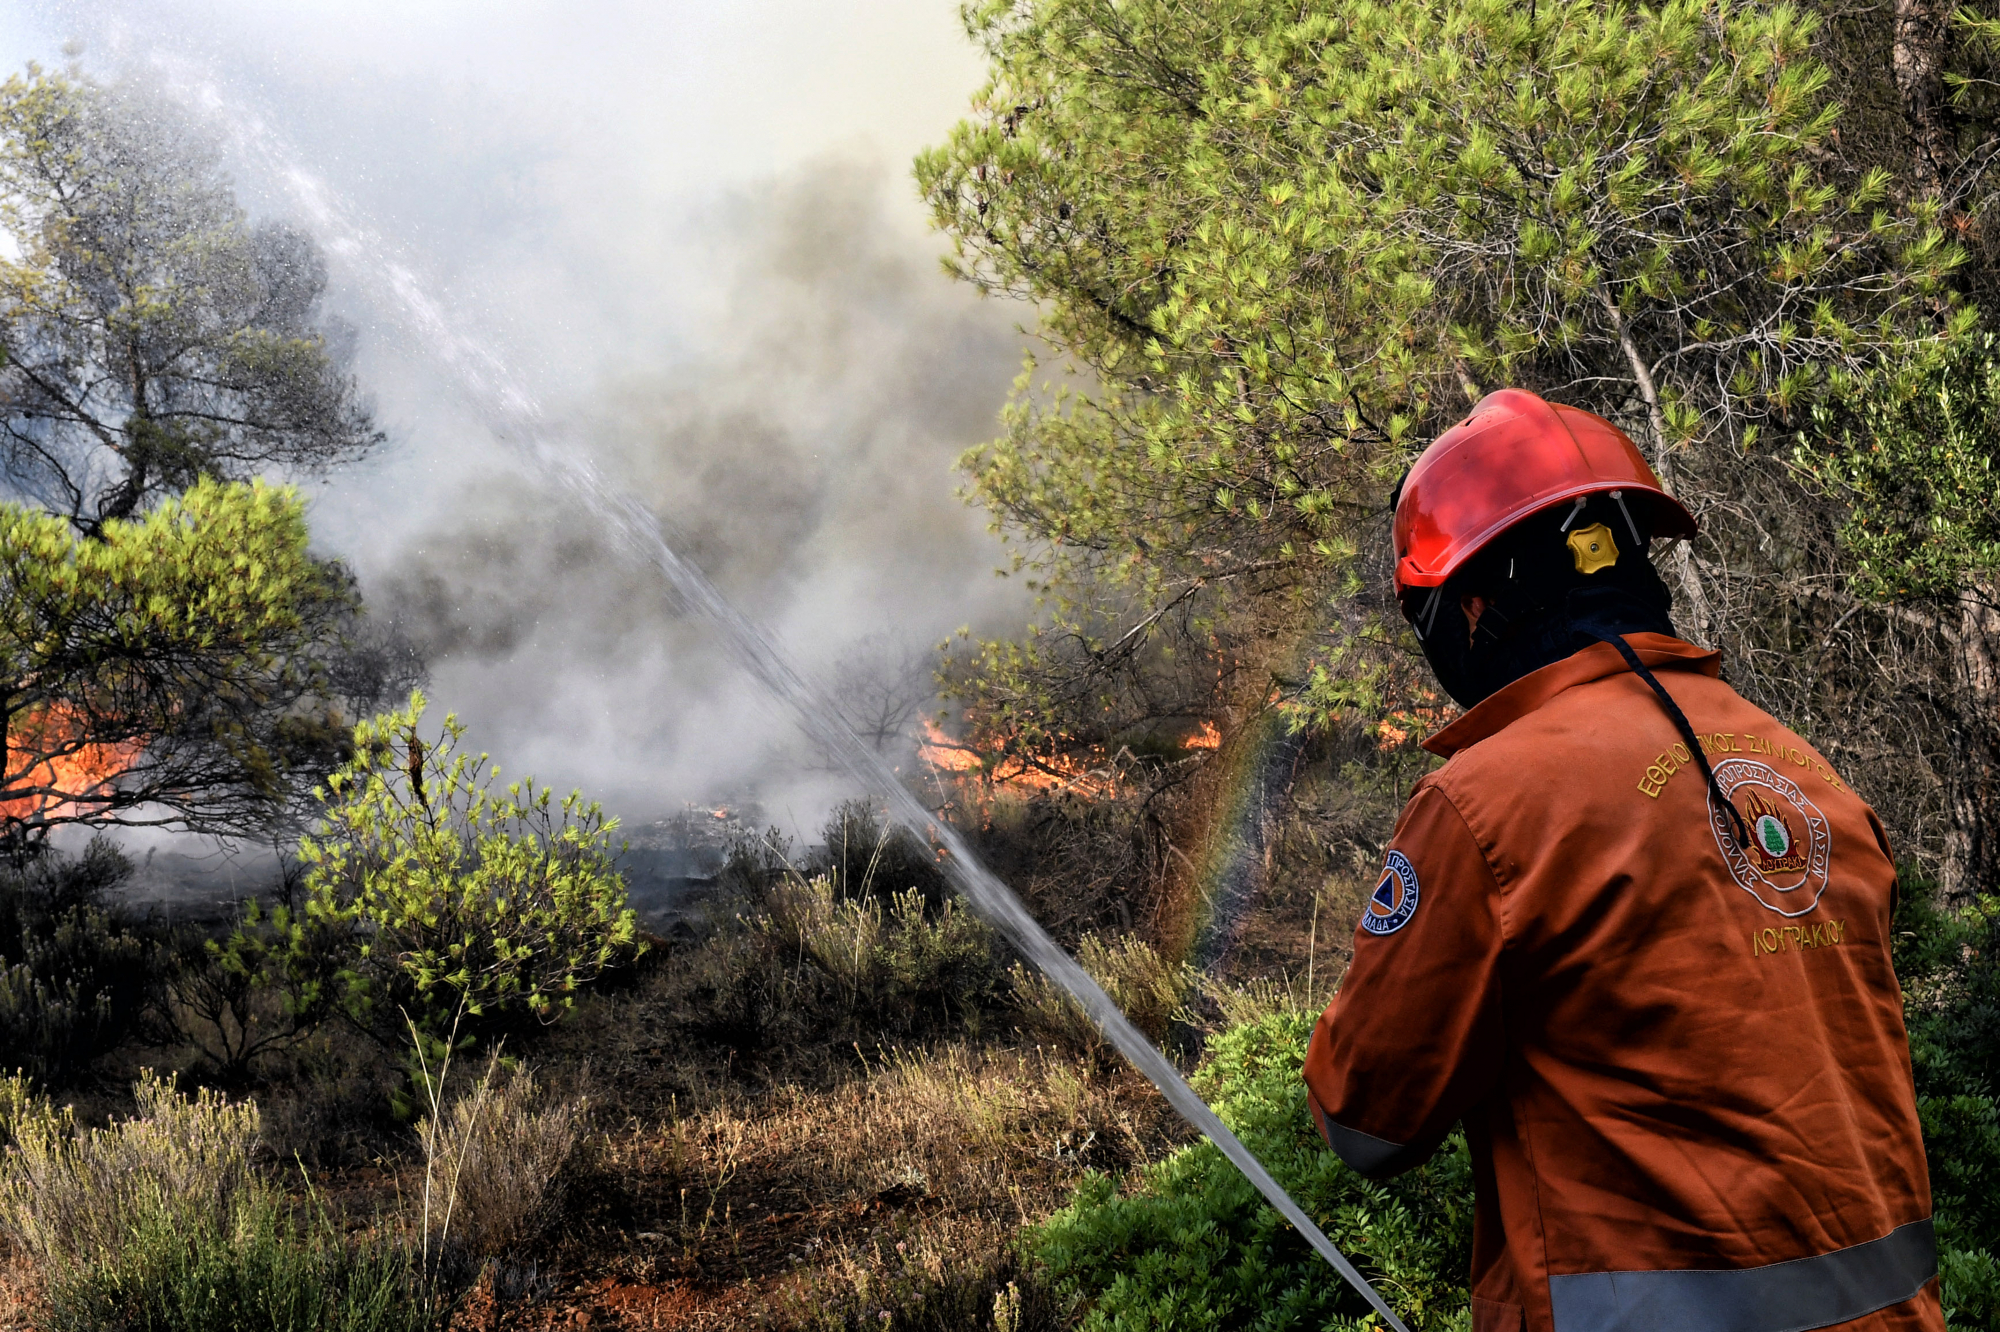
column 1014, row 772
column 67, row 770
column 941, row 751
column 1208, row 737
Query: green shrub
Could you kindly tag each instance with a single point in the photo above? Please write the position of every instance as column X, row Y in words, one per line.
column 842, row 938
column 159, row 1222
column 1970, row 1279
column 266, row 985
column 268, row 1270
column 452, row 894
column 1951, row 1001
column 1192, row 1245
column 938, row 958
column 75, row 977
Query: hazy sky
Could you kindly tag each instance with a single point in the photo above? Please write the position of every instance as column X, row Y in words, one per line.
column 690, row 227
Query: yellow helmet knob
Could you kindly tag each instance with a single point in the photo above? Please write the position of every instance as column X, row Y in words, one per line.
column 1592, row 548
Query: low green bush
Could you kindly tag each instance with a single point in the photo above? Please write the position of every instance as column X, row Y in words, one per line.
column 76, row 976
column 895, row 962
column 1146, row 987
column 446, row 897
column 267, row 1271
column 1191, row 1245
column 1950, row 971
column 265, row 986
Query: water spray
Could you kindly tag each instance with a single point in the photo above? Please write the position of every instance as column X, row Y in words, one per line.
column 513, row 415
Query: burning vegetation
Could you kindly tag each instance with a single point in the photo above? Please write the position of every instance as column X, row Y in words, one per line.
column 55, row 771
column 1006, row 766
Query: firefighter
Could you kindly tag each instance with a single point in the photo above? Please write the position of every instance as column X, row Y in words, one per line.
column 1634, row 934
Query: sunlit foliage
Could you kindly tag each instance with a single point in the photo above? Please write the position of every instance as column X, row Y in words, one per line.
column 169, row 669
column 452, row 895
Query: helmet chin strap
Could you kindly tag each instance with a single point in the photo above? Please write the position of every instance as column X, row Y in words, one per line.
column 1736, row 823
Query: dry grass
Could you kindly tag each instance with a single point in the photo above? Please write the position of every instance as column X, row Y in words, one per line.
column 19, row 1302
column 1149, row 989
column 799, row 1207
column 794, row 1154
column 18, row 1104
column 941, row 1274
column 892, row 956
column 68, row 1198
column 495, row 1163
column 985, row 1130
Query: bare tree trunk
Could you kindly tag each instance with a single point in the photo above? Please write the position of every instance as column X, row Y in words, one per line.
column 1918, row 63
column 1695, row 620
column 1972, row 848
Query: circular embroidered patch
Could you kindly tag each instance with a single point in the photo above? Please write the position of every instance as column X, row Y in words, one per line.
column 1785, row 865
column 1394, row 899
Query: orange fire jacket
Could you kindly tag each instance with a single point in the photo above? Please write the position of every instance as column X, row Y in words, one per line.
column 1681, row 1064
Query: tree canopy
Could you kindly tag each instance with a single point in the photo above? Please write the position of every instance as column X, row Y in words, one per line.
column 151, row 335
column 170, row 652
column 172, row 669
column 1276, row 250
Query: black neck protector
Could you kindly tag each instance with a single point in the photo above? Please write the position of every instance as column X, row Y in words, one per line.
column 1540, row 608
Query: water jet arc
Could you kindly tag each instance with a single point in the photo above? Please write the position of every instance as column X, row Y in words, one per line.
column 980, row 887
column 516, row 418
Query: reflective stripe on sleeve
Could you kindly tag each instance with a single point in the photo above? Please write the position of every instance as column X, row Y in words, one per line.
column 1782, row 1297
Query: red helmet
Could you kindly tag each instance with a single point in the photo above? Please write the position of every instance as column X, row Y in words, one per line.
column 1515, row 455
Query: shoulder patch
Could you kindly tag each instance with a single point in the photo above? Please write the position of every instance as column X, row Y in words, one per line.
column 1394, row 900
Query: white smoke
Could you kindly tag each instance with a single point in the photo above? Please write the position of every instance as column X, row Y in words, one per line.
column 806, row 463
column 690, row 230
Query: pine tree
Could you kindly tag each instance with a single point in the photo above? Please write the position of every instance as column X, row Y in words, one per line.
column 1276, row 251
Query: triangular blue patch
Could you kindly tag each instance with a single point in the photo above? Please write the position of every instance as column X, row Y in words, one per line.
column 1385, row 893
